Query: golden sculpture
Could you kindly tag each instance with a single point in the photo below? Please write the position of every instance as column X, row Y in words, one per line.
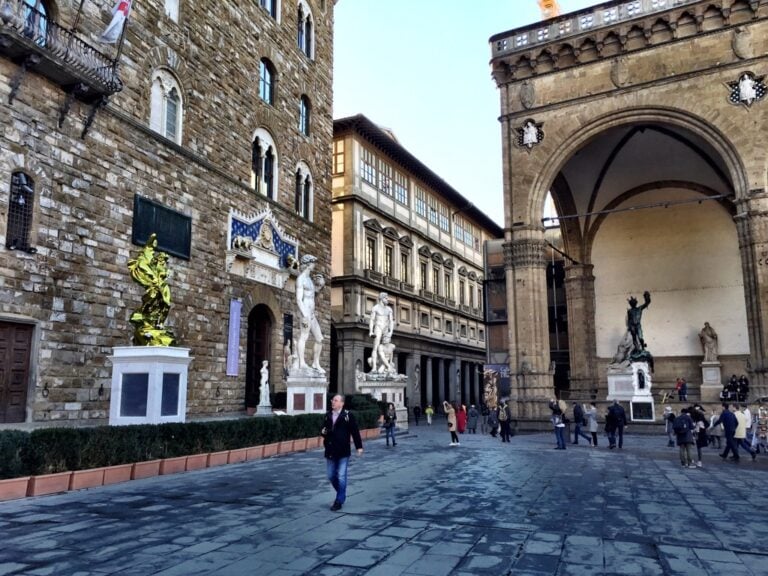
column 150, row 270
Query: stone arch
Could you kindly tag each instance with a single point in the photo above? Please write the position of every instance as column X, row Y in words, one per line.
column 572, row 143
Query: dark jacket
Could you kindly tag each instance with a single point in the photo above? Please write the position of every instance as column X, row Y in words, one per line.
column 729, row 422
column 617, row 414
column 336, row 438
column 701, row 424
column 683, row 427
column 578, row 415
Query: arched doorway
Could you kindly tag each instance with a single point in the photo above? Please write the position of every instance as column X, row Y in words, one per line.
column 259, row 348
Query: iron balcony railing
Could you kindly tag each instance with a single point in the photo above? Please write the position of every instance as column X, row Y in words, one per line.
column 575, row 23
column 33, row 40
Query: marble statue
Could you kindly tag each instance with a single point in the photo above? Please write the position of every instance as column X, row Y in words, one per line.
column 530, row 134
column 747, row 89
column 150, row 270
column 264, row 384
column 381, row 326
column 307, row 286
column 708, row 338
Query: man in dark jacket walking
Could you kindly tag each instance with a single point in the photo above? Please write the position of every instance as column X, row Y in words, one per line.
column 578, row 421
column 339, row 428
column 730, row 423
column 615, row 421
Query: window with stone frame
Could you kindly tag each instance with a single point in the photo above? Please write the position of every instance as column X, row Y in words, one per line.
column 405, row 265
column 368, row 166
column 166, row 106
column 271, row 6
column 338, row 156
column 448, row 283
column 462, row 292
column 436, row 280
column 36, row 16
column 385, row 178
column 21, row 203
column 423, row 274
column 421, row 201
column 444, row 220
column 370, row 253
column 432, row 206
column 449, row 326
column 305, row 29
column 304, row 193
column 305, row 109
column 480, row 297
column 264, row 164
column 267, row 78
column 172, row 9
column 424, row 320
column 401, row 188
column 472, row 295
column 389, row 260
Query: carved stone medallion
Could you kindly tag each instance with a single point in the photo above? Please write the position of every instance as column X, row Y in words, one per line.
column 747, row 90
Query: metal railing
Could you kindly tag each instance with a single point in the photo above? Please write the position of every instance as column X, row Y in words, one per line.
column 36, row 30
column 601, row 16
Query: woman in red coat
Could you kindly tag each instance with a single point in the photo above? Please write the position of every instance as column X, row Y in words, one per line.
column 461, row 419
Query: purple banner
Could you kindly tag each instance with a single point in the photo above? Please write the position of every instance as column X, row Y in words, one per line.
column 233, row 345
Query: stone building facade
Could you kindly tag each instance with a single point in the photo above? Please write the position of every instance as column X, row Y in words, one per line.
column 644, row 120
column 214, row 132
column 399, row 228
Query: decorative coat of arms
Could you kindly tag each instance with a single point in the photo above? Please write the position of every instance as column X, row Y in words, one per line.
column 747, row 89
column 530, row 134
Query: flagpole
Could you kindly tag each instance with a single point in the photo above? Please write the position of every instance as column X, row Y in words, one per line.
column 73, row 30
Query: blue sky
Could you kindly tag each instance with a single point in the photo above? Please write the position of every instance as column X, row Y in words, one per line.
column 421, row 68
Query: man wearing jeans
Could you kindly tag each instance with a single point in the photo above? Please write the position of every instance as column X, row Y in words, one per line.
column 339, row 427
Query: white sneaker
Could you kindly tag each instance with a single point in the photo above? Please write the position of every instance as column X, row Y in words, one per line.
column 458, row 443
column 699, row 465
column 452, row 444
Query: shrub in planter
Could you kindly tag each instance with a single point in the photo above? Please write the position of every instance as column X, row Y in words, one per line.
column 12, row 444
column 52, row 450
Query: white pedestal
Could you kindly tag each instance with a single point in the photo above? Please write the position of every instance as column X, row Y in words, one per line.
column 306, row 394
column 711, row 381
column 149, row 384
column 386, row 388
column 633, row 385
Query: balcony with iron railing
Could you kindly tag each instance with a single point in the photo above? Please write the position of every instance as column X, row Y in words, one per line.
column 576, row 23
column 36, row 43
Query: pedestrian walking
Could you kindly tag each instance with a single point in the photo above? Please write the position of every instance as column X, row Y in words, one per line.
column 715, row 432
column 700, row 425
column 461, row 418
column 669, row 418
column 743, row 424
column 339, row 428
column 683, row 427
column 473, row 415
column 618, row 420
column 484, row 412
column 416, row 414
column 504, row 421
column 429, row 413
column 493, row 422
column 450, row 413
column 579, row 420
column 729, row 422
column 557, row 424
column 591, row 414
column 390, row 422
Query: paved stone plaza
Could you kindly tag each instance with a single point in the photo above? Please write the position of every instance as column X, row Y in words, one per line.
column 483, row 508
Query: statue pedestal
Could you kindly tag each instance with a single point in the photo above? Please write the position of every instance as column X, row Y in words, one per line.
column 264, row 410
column 306, row 392
column 633, row 384
column 149, row 384
column 711, row 381
column 386, row 387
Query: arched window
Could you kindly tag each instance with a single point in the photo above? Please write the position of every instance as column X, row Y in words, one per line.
column 172, row 9
column 305, row 109
column 267, row 81
column 304, row 192
column 166, row 107
column 36, row 21
column 272, row 7
column 20, row 205
column 264, row 165
column 305, row 29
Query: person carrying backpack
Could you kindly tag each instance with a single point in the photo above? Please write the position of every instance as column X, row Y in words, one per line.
column 503, row 415
column 683, row 428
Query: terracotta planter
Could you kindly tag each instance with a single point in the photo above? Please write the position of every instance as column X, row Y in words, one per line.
column 318, row 442
column 197, row 461
column 254, row 453
column 14, row 488
column 271, row 449
column 237, row 455
column 300, row 445
column 285, row 447
column 86, row 479
column 218, row 458
column 146, row 469
column 49, row 484
column 118, row 473
column 173, row 465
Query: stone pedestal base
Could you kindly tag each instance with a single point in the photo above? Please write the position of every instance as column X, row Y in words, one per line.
column 633, row 384
column 711, row 381
column 149, row 384
column 306, row 394
column 264, row 410
column 386, row 388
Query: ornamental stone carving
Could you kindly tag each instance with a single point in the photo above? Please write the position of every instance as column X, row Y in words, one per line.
column 525, row 254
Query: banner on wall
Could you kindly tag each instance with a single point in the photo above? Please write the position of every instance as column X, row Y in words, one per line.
column 495, row 383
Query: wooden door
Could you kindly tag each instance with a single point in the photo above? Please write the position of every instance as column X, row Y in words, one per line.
column 15, row 349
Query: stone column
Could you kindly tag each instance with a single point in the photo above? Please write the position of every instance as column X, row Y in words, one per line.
column 528, row 321
column 428, row 380
column 412, row 361
column 441, row 380
column 580, row 295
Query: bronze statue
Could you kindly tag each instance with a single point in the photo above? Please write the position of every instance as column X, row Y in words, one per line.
column 634, row 327
column 150, row 270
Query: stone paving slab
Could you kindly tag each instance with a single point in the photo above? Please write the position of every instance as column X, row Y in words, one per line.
column 423, row 508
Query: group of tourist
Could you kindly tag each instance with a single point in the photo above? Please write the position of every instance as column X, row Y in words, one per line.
column 736, row 389
column 585, row 418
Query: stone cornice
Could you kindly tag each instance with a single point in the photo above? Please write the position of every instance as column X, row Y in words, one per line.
column 525, row 254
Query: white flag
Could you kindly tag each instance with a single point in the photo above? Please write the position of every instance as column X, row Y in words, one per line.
column 119, row 15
